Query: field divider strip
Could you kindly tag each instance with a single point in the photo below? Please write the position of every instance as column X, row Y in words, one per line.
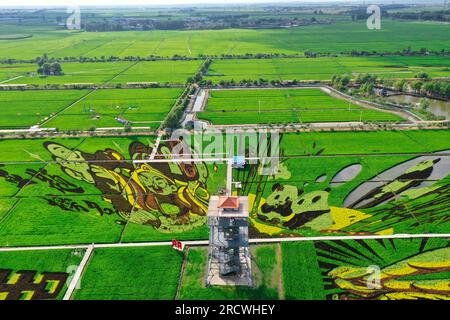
column 11, row 79
column 78, row 273
column 252, row 241
column 120, row 73
column 10, row 211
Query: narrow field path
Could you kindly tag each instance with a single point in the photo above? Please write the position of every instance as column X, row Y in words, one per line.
column 76, row 278
column 120, row 73
column 155, row 149
column 205, row 242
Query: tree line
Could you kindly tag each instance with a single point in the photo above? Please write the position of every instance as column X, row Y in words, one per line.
column 307, row 54
column 365, row 84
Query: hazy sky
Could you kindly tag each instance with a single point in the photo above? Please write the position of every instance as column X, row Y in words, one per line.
column 140, row 2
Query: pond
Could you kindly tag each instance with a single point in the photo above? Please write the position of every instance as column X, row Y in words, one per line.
column 437, row 107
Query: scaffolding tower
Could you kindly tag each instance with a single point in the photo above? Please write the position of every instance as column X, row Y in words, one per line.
column 229, row 261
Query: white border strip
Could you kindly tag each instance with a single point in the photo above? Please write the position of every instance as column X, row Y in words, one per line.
column 205, row 242
column 78, row 273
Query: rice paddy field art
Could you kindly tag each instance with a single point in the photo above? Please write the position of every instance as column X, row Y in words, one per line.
column 135, row 153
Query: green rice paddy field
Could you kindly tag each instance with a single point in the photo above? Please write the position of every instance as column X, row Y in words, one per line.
column 10, row 71
column 44, row 260
column 99, row 73
column 147, row 273
column 354, row 143
column 85, row 110
column 284, row 106
column 27, row 108
column 339, row 37
column 143, row 107
column 177, row 72
column 388, row 67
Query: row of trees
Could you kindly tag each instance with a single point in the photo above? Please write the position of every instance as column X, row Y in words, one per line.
column 199, row 75
column 423, row 85
column 141, row 24
column 438, row 15
column 218, row 21
column 439, row 89
column 250, row 82
column 340, row 82
column 174, row 117
column 366, row 83
column 308, row 54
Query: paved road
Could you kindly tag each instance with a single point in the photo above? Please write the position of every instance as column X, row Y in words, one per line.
column 200, row 101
